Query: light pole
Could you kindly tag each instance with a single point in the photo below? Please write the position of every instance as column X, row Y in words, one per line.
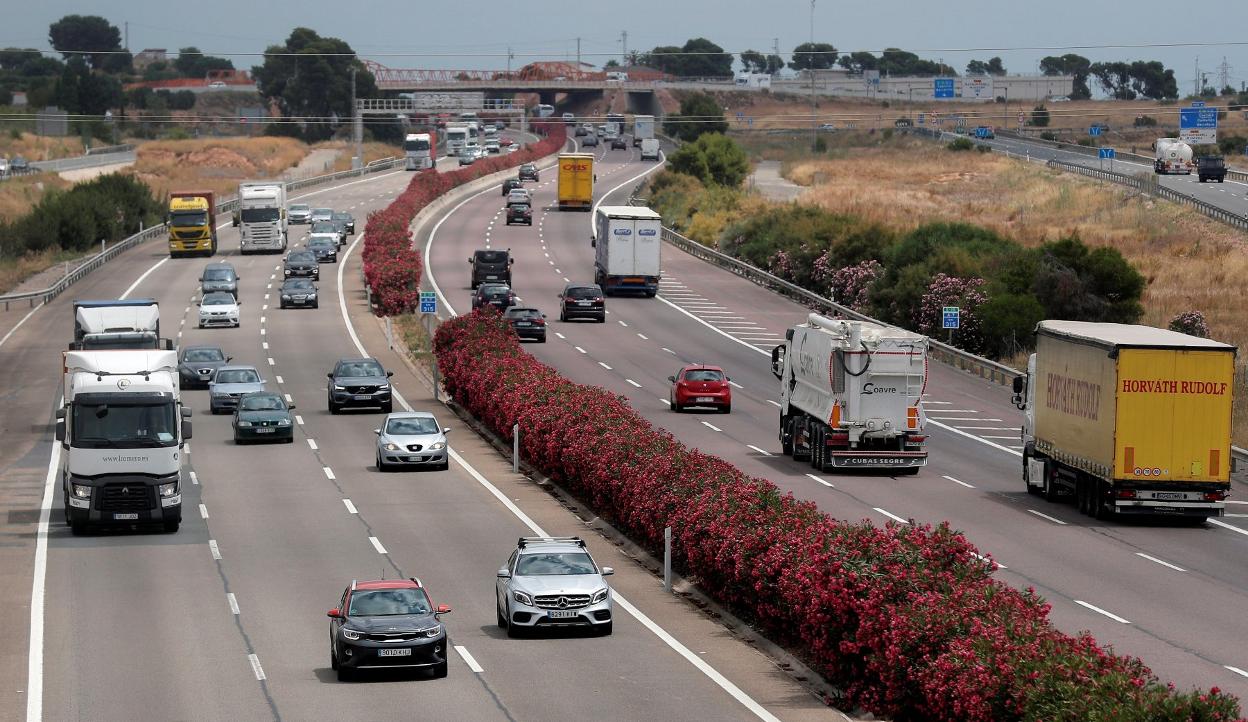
column 810, row 68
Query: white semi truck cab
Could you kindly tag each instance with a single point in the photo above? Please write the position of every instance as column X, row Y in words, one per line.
column 851, row 395
column 122, row 428
column 261, row 216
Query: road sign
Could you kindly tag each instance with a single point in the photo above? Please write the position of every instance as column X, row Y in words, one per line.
column 922, row 118
column 872, row 77
column 1105, row 153
column 1198, row 125
column 428, row 302
column 1094, row 130
column 942, row 87
column 950, row 317
column 1198, row 103
column 978, row 87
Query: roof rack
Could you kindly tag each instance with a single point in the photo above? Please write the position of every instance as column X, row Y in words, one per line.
column 526, row 540
column 416, row 581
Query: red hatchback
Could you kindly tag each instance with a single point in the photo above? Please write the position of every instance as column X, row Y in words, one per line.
column 700, row 385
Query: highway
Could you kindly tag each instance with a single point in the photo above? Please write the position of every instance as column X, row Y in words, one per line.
column 1135, row 585
column 226, row 618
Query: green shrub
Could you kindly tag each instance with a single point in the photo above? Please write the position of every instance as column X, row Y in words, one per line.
column 1048, row 135
column 1086, row 142
column 959, row 144
column 110, row 207
column 983, row 148
column 821, row 145
column 1040, row 117
column 713, row 159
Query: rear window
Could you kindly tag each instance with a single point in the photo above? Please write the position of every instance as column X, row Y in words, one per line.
column 522, row 313
column 324, row 227
column 583, row 292
column 520, row 207
column 704, row 375
column 491, row 256
column 495, row 291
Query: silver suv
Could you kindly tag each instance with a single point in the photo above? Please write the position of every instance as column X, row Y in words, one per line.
column 552, row 582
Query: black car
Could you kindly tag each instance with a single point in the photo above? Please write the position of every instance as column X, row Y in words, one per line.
column 325, row 249
column 19, row 164
column 219, row 277
column 498, row 295
column 263, row 416
column 359, row 382
column 519, row 213
column 198, row 364
column 528, row 171
column 387, row 624
column 527, row 323
column 490, row 265
column 581, row 131
column 582, row 300
column 346, row 219
column 299, row 293
column 590, row 140
column 618, row 143
column 509, row 184
column 302, row 263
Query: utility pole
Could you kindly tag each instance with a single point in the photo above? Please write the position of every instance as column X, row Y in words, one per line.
column 624, row 45
column 510, row 55
column 127, row 46
column 1196, row 85
column 357, row 126
column 578, row 54
column 814, row 108
column 1224, row 74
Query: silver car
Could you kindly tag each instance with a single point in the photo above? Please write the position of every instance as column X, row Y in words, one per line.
column 228, row 384
column 411, row 438
column 553, row 582
column 299, row 213
column 322, row 214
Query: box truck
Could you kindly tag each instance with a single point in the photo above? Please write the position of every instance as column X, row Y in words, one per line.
column 192, row 221
column 851, row 395
column 643, row 128
column 1127, row 419
column 261, row 216
column 627, row 241
column 576, row 181
column 116, row 324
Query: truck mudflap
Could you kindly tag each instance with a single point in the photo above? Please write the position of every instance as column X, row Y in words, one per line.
column 877, row 459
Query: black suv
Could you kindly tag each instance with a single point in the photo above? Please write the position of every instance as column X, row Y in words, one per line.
column 489, row 265
column 511, row 183
column 519, row 213
column 299, row 293
column 498, row 295
column 582, row 300
column 527, row 323
column 387, row 624
column 618, row 143
column 301, row 263
column 359, row 382
column 528, row 171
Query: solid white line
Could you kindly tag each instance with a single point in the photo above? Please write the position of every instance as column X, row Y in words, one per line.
column 1236, row 670
column 1164, row 564
column 34, row 659
column 19, row 323
column 255, row 667
column 981, row 440
column 186, row 448
column 890, row 515
column 1098, row 610
column 726, row 335
column 350, row 507
column 377, row 545
column 825, row 482
column 146, row 273
column 604, row 365
column 299, row 420
column 578, row 348
column 764, row 452
column 233, row 602
column 634, row 383
column 216, row 550
column 1234, row 501
column 956, row 481
column 983, row 558
column 937, row 403
column 468, row 659
column 643, row 337
column 992, row 428
column 711, row 426
column 312, row 444
column 1224, row 525
column 1046, row 516
column 329, row 472
column 735, row 384
column 194, row 478
column 203, row 511
column 774, row 403
column 959, row 411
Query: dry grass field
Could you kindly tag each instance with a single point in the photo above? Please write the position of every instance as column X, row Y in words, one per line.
column 19, row 194
column 37, row 147
column 372, row 152
column 217, row 164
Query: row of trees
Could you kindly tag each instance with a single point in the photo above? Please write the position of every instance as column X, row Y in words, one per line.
column 1120, row 80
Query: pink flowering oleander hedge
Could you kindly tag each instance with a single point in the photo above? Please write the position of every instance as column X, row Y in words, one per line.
column 392, row 268
column 906, row 620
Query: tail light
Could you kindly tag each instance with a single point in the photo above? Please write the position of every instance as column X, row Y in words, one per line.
column 1125, row 494
column 1215, row 496
column 539, row 321
column 912, row 417
column 840, row 437
column 835, row 419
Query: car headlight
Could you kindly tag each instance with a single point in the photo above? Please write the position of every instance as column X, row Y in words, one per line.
column 391, row 446
column 244, row 423
column 522, row 597
column 283, row 422
column 600, row 596
column 348, row 633
column 312, row 295
column 82, row 492
column 339, row 388
column 166, row 490
column 431, row 632
column 285, row 296
column 437, row 446
column 287, row 271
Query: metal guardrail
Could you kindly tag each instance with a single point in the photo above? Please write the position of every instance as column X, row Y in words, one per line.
column 985, row 368
column 106, row 149
column 225, row 206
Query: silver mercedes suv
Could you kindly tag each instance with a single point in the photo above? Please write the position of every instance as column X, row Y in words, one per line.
column 553, row 582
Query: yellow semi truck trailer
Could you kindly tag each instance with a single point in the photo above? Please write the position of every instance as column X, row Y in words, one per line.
column 576, row 181
column 192, row 222
column 1127, row 420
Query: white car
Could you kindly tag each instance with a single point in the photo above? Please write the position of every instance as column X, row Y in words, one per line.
column 553, row 582
column 218, row 308
column 492, row 146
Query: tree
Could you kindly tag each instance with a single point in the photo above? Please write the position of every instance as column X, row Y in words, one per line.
column 1040, row 116
column 666, row 58
column 699, row 58
column 813, row 56
column 754, row 61
column 699, row 114
column 83, row 92
column 713, row 159
column 858, row 61
column 612, row 63
column 90, row 36
column 993, row 66
column 192, row 63
column 310, row 78
column 774, row 64
column 1070, row 64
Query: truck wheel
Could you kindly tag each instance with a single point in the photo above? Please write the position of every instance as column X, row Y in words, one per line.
column 1049, row 488
column 786, row 438
column 816, row 449
column 1102, row 508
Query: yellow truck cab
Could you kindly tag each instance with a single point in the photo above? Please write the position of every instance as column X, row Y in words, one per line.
column 576, row 181
column 192, row 222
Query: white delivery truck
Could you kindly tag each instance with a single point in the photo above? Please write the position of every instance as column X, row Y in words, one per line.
column 261, row 216
column 627, row 241
column 1171, row 155
column 122, row 428
column 456, row 138
column 851, row 395
column 643, row 128
column 117, row 324
column 650, row 149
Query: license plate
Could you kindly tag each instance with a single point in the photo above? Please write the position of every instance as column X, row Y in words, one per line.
column 265, row 431
column 562, row 614
column 365, row 397
column 584, row 303
column 491, row 278
column 1170, row 495
column 523, row 323
column 398, row 652
column 705, row 399
column 125, row 517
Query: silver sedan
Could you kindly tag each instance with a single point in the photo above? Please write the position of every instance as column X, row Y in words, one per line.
column 413, row 439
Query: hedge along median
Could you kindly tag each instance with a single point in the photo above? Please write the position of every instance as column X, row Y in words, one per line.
column 906, row 620
column 392, row 268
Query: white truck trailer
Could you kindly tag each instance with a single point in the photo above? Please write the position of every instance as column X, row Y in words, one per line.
column 627, row 244
column 122, row 428
column 851, row 395
column 117, row 324
column 643, row 128
column 261, row 216
column 1171, row 155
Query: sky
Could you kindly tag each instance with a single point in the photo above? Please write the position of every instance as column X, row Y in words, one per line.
column 422, row 34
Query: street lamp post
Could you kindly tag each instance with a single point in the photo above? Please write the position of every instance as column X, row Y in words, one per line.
column 810, row 68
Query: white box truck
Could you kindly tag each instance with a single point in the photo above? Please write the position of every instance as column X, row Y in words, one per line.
column 851, row 395
column 457, row 137
column 261, row 216
column 627, row 242
column 643, row 128
column 122, row 428
column 117, row 324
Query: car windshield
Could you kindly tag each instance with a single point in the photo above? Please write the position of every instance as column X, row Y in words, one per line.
column 298, row 284
column 359, row 369
column 528, row 167
column 262, row 402
column 326, row 212
column 188, row 219
column 491, row 256
column 388, row 603
column 582, row 292
column 300, row 256
column 704, row 375
column 324, row 227
column 300, row 207
column 120, row 426
column 238, row 376
column 342, row 217
column 547, row 564
column 412, row 426
column 323, row 242
column 218, row 274
column 219, row 299
column 204, row 354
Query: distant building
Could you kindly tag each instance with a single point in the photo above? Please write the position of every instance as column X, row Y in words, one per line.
column 148, row 56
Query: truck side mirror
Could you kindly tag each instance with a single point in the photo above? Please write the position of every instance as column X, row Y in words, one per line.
column 1018, row 384
column 777, row 361
column 60, row 429
column 186, row 429
column 593, row 242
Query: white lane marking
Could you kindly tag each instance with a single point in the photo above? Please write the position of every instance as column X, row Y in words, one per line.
column 981, row 440
column 1004, row 438
column 468, row 659
column 643, row 337
column 377, row 545
column 350, row 507
column 669, row 350
column 959, row 411
column 560, row 335
column 203, row 511
column 669, row 403
column 19, row 323
column 775, row 403
column 1046, row 516
column 604, row 365
column 721, row 332
column 329, row 473
column 1236, row 501
column 312, row 444
column 299, row 420
column 233, row 602
column 255, row 667
column 991, row 428
column 140, row 279
column 264, row 345
column 565, row 280
column 734, row 384
column 216, row 550
column 937, row 403
column 1236, row 670
column 179, row 334
column 194, row 479
column 279, row 379
column 265, row 307
column 958, row 481
column 890, row 515
column 634, row 383
column 273, row 363
column 34, row 659
column 623, row 324
column 186, row 448
column 711, row 426
column 262, row 319
column 272, row 276
column 1159, row 561
column 983, row 558
column 262, row 332
column 1098, row 610
column 182, row 322
column 1224, row 525
column 558, row 271
column 578, row 348
column 825, row 482
column 764, row 452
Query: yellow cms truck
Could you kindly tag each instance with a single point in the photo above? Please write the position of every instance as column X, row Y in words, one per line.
column 192, row 222
column 1127, row 420
column 576, row 181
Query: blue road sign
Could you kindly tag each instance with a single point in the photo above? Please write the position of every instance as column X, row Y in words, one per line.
column 950, row 317
column 1105, row 153
column 428, row 302
column 922, row 118
column 942, row 87
column 1198, row 117
column 1198, row 103
column 1094, row 130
